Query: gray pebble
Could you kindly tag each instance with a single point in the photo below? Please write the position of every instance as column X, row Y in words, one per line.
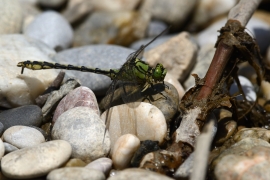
column 9, row 148
column 2, row 148
column 36, row 161
column 23, row 136
column 1, row 129
column 95, row 56
column 52, row 29
column 71, row 173
column 24, row 115
column 84, row 130
column 101, row 164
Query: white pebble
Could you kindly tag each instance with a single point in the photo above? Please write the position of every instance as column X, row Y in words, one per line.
column 102, row 164
column 145, row 121
column 84, row 130
column 23, row 136
column 71, row 173
column 247, row 88
column 124, row 149
column 2, row 148
column 35, row 161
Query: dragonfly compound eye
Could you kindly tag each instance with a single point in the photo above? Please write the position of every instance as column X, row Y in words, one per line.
column 159, row 72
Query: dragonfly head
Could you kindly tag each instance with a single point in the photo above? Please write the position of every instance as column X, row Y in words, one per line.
column 159, row 72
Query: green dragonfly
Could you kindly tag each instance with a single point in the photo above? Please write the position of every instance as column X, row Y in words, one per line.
column 134, row 71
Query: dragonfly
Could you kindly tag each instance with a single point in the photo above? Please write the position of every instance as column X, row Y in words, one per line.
column 134, row 70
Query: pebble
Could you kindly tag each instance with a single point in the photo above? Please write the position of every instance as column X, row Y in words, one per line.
column 101, row 164
column 23, row 136
column 251, row 164
column 207, row 10
column 21, row 89
column 204, row 59
column 145, row 121
column 11, row 17
column 84, row 130
column 155, row 27
column 35, row 161
column 81, row 96
column 71, row 173
column 265, row 87
column 247, row 87
column 136, row 173
column 2, row 148
column 29, row 115
column 123, row 150
column 54, row 98
column 9, row 148
column 169, row 55
column 116, row 5
column 169, row 11
column 258, row 28
column 95, row 56
column 52, row 29
column 113, row 27
column 175, row 83
column 75, row 162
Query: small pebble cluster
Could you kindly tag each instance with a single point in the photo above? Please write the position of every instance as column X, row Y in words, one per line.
column 68, row 136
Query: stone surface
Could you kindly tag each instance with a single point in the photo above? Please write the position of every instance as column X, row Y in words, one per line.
column 52, row 29
column 71, row 173
column 257, row 27
column 21, row 89
column 2, row 148
column 252, row 164
column 207, row 10
column 84, row 130
column 168, row 11
column 155, row 27
column 204, row 59
column 1, row 128
column 123, row 150
column 11, row 17
column 101, row 164
column 145, row 121
column 177, row 62
column 23, row 136
column 247, row 87
column 265, row 87
column 94, row 56
column 136, row 173
column 81, row 96
column 24, row 115
column 35, row 161
column 9, row 148
column 114, row 27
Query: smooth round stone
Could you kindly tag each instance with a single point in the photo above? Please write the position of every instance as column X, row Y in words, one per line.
column 11, row 17
column 29, row 115
column 81, row 96
column 136, row 173
column 101, row 164
column 95, row 56
column 155, row 27
column 2, row 148
column 23, row 136
column 265, row 87
column 252, row 164
column 36, row 161
column 52, row 29
column 21, row 89
column 9, row 148
column 145, row 121
column 108, row 27
column 71, row 173
column 247, row 87
column 84, row 130
column 123, row 150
